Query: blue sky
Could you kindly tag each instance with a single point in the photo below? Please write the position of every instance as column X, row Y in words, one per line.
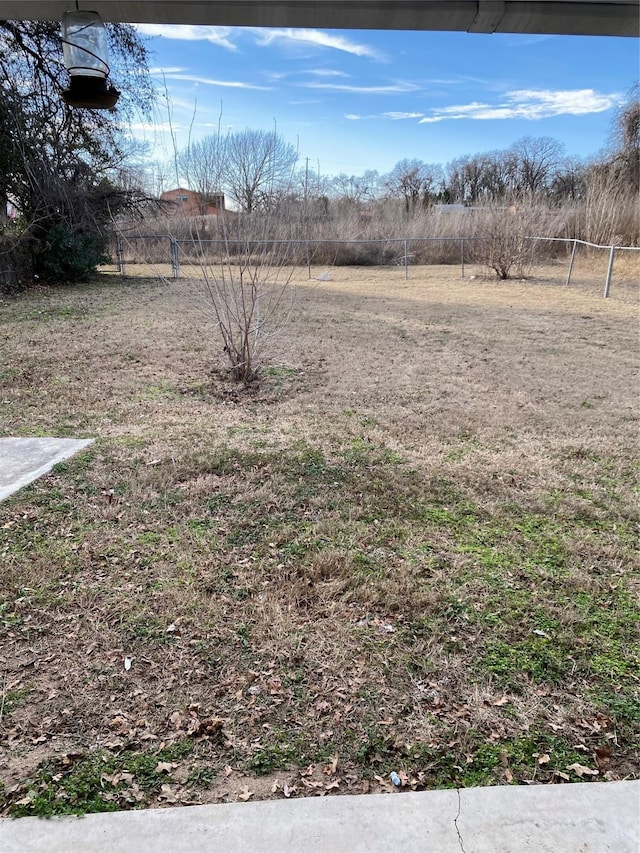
column 353, row 100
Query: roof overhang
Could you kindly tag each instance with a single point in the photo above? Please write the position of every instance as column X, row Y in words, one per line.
column 568, row 17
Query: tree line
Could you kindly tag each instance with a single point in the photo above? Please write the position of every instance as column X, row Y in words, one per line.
column 259, row 170
column 70, row 173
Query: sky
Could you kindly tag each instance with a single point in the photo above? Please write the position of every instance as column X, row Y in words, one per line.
column 352, row 100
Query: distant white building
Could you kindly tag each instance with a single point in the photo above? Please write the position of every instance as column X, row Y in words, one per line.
column 450, row 208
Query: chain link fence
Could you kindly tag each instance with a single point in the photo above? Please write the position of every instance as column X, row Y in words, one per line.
column 611, row 270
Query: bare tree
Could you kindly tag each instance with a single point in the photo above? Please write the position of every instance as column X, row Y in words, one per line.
column 346, row 188
column 159, row 176
column 307, row 184
column 258, row 164
column 537, row 161
column 625, row 143
column 407, row 181
column 612, row 212
column 465, row 179
column 203, row 164
column 356, row 189
column 570, row 181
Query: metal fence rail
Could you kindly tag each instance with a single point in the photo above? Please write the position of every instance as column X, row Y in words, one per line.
column 612, row 252
column 174, row 249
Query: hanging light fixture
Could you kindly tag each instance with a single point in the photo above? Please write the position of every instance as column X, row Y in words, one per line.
column 84, row 47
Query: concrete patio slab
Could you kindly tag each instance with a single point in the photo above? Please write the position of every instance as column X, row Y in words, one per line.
column 23, row 460
column 579, row 818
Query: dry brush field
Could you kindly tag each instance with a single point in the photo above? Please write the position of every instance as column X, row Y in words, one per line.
column 411, row 547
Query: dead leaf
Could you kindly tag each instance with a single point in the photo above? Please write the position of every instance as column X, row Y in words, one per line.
column 508, row 775
column 332, row 767
column 165, row 767
column 580, row 770
column 384, row 783
column 501, row 701
column 245, row 794
column 207, row 728
column 286, row 790
column 133, row 794
column 544, row 759
column 167, row 794
column 309, row 783
column 122, row 776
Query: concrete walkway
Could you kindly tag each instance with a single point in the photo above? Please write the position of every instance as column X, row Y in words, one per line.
column 580, row 818
column 23, row 460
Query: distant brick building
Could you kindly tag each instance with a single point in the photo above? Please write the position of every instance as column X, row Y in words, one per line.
column 181, row 202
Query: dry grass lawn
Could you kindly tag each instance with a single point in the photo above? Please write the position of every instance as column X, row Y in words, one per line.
column 411, row 548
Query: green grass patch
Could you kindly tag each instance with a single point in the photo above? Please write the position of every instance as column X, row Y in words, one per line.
column 95, row 782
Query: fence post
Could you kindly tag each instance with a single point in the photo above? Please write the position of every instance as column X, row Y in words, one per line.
column 462, row 256
column 308, row 261
column 607, row 283
column 573, row 255
column 175, row 258
column 406, row 261
column 119, row 255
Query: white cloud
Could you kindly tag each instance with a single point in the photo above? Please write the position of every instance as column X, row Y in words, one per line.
column 158, row 71
column 364, row 90
column 318, row 38
column 326, row 72
column 396, row 116
column 529, row 104
column 393, row 116
column 571, row 102
column 188, row 32
column 207, row 81
column 222, row 36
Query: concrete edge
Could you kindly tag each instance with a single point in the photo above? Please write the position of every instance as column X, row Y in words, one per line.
column 599, row 817
column 74, row 446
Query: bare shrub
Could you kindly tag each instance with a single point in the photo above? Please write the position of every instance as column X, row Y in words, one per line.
column 504, row 238
column 239, row 286
column 248, row 299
